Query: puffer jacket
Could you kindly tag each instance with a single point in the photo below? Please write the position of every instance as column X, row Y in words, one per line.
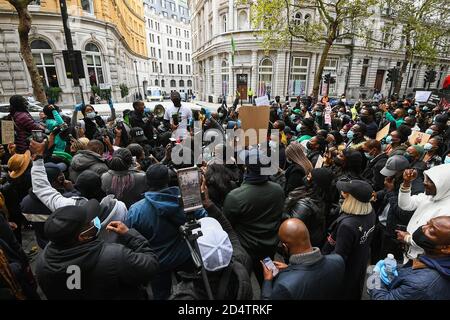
column 107, row 270
column 87, row 160
column 23, row 125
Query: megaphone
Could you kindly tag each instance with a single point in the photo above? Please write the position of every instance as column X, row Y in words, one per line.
column 159, row 111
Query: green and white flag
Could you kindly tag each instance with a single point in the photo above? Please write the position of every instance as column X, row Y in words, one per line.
column 233, row 49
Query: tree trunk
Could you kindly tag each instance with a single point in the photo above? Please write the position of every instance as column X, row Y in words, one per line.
column 318, row 75
column 25, row 49
column 406, row 59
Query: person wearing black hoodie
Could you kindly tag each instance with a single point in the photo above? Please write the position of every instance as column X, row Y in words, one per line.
column 76, row 265
column 428, row 278
column 35, row 211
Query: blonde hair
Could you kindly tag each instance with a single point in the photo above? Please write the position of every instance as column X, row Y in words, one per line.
column 295, row 153
column 356, row 207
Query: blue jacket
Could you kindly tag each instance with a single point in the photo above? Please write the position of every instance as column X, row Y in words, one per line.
column 318, row 281
column 158, row 217
column 429, row 283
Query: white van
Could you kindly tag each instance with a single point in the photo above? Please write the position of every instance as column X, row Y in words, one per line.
column 155, row 94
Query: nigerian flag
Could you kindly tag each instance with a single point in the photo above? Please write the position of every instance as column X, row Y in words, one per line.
column 233, row 49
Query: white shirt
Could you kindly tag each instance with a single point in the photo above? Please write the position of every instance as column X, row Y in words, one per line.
column 185, row 113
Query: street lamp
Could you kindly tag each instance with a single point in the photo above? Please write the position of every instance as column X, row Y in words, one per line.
column 137, row 78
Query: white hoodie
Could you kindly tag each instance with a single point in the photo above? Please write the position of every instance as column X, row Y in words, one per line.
column 427, row 207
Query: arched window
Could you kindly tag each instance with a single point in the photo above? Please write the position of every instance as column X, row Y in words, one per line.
column 43, row 57
column 173, row 83
column 265, row 72
column 94, row 64
column 297, row 18
column 156, row 82
column 242, row 20
column 181, row 83
column 163, row 83
column 224, row 23
column 225, row 77
column 307, row 19
column 189, row 83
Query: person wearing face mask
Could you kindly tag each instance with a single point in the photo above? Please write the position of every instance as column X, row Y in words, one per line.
column 348, row 165
column 433, row 203
column 356, row 136
column 434, row 130
column 432, row 150
column 396, row 141
column 92, row 122
column 316, row 147
column 309, row 274
column 311, row 203
column 376, row 161
column 319, row 117
column 72, row 232
column 351, row 234
column 306, row 130
column 367, row 116
column 428, row 277
column 447, row 158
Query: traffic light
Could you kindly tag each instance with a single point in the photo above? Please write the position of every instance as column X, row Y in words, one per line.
column 392, row 75
column 430, row 76
column 327, row 78
column 332, row 80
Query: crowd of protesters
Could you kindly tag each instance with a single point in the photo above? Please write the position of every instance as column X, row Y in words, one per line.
column 101, row 194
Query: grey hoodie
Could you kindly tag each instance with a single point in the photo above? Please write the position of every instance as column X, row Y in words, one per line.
column 87, row 160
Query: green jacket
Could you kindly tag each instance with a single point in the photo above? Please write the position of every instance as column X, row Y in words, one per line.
column 254, row 211
column 398, row 122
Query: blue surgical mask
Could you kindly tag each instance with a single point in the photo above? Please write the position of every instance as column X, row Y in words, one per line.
column 389, row 140
column 428, row 146
column 318, row 113
column 350, row 134
column 410, row 111
column 429, row 131
column 447, row 160
column 368, row 155
column 90, row 115
column 220, row 114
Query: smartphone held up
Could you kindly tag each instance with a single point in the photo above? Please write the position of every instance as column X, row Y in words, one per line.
column 189, row 183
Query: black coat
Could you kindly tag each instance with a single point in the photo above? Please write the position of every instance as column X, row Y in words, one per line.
column 108, row 270
column 141, row 121
column 350, row 237
column 372, row 172
column 294, row 177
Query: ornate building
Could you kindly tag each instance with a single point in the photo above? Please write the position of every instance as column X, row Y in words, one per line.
column 358, row 67
column 109, row 33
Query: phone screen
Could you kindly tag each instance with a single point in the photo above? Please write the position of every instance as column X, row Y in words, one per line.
column 271, row 266
column 189, row 183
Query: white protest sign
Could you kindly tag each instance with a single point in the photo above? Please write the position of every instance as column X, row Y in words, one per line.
column 262, row 101
column 328, row 114
column 105, row 86
column 422, row 96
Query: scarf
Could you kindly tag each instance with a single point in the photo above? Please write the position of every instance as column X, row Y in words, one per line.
column 307, row 258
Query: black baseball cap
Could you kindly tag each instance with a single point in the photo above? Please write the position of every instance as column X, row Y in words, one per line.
column 137, row 134
column 358, row 189
column 66, row 223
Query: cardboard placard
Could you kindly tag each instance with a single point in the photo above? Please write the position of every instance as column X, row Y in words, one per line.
column 307, row 115
column 328, row 114
column 256, row 118
column 262, row 101
column 417, row 134
column 319, row 162
column 7, row 132
column 383, row 132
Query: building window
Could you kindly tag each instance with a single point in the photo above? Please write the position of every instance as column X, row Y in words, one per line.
column 224, row 23
column 412, row 80
column 225, row 77
column 173, row 83
column 160, row 67
column 156, row 82
column 265, row 72
column 163, row 84
column 365, row 69
column 170, row 55
column 181, row 83
column 165, row 14
column 331, row 66
column 189, row 83
column 43, row 57
column 171, row 68
column 307, row 19
column 297, row 18
column 94, row 64
column 299, row 76
column 87, row 6
column 180, row 69
column 242, row 20
column 188, row 69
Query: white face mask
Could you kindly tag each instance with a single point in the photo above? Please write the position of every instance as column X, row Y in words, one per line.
column 90, row 115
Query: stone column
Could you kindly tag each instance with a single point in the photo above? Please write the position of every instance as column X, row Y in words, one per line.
column 215, row 18
column 217, row 77
column 230, row 22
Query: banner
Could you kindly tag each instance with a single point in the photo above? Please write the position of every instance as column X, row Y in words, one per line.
column 7, row 132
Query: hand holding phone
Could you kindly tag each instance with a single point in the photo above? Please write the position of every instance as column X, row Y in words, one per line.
column 37, row 135
column 271, row 266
